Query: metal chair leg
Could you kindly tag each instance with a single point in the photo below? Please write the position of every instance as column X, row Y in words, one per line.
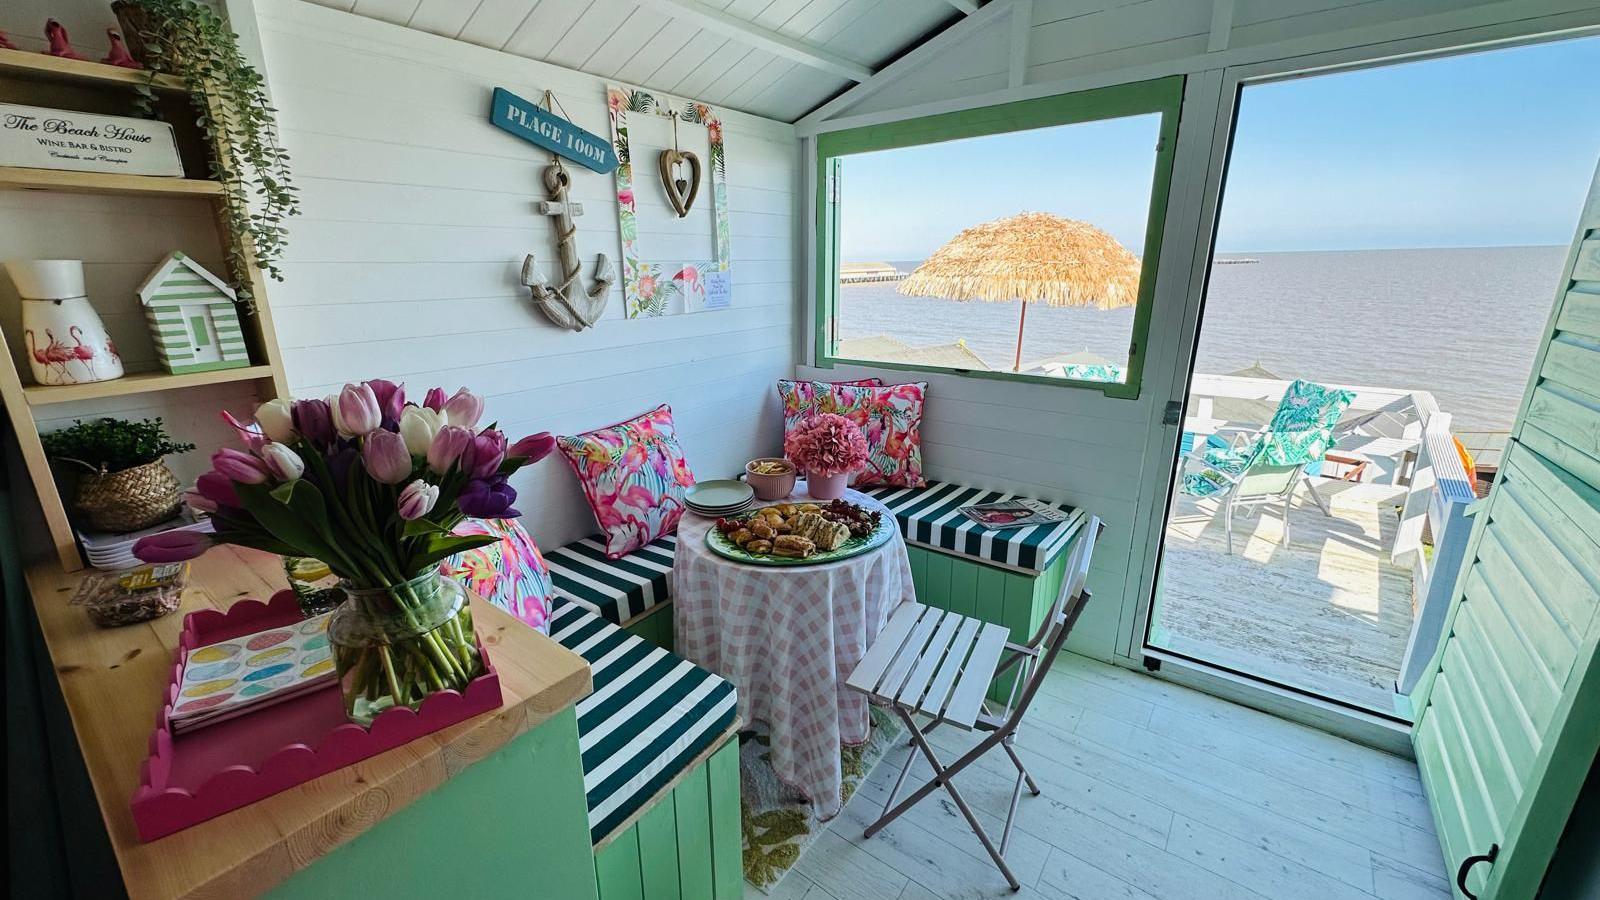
column 1315, row 495
column 1021, row 769
column 1227, row 522
column 942, row 778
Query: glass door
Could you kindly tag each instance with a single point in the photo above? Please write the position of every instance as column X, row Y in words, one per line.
column 1386, row 243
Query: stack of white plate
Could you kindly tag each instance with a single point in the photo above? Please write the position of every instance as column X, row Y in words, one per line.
column 115, row 551
column 715, row 499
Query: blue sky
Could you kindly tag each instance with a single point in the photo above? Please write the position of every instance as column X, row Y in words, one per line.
column 1484, row 149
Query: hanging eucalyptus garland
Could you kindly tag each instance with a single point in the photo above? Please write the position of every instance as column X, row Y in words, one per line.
column 191, row 41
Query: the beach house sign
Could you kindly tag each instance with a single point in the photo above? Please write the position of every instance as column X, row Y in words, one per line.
column 34, row 137
column 537, row 125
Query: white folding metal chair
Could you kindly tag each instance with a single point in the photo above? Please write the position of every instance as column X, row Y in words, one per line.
column 940, row 664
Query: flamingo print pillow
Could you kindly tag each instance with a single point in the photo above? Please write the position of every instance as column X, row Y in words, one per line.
column 510, row 574
column 800, row 397
column 634, row 476
column 891, row 418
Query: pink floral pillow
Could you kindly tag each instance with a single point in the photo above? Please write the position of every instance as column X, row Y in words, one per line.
column 891, row 418
column 800, row 400
column 634, row 475
column 510, row 574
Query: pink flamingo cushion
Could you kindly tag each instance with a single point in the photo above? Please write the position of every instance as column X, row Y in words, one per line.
column 510, row 574
column 800, row 400
column 891, row 418
column 634, row 476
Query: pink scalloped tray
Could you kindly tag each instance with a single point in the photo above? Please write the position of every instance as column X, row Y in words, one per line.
column 196, row 776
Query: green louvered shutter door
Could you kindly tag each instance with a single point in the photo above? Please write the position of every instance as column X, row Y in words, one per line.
column 1509, row 714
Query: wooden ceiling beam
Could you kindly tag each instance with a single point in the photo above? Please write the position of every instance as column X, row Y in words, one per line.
column 746, row 32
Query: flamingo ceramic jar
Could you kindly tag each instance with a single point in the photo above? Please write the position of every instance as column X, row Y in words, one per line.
column 63, row 335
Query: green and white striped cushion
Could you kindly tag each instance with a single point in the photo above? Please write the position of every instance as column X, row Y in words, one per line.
column 650, row 715
column 620, row 590
column 931, row 516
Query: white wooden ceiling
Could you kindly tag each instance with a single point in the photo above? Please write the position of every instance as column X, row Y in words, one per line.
column 704, row 49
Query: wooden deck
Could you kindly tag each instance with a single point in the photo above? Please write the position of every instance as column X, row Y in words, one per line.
column 1329, row 613
column 1151, row 792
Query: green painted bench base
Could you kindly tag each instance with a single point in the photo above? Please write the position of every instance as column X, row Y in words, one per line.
column 1016, row 599
column 685, row 847
column 654, row 626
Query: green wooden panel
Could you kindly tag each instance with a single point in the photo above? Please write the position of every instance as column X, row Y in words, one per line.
column 691, row 805
column 919, row 569
column 658, row 851
column 1509, row 718
column 1580, row 314
column 937, row 583
column 503, row 825
column 727, row 866
column 618, row 870
column 655, row 627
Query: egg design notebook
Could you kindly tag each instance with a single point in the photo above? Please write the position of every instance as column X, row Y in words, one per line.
column 228, row 679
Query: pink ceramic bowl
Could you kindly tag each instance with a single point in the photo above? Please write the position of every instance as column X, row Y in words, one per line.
column 770, row 487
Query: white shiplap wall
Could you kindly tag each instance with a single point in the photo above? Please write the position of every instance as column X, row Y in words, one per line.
column 417, row 214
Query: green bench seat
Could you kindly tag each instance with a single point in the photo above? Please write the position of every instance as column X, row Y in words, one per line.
column 621, row 591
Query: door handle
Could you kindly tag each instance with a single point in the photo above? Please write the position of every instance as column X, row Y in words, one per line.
column 1466, row 869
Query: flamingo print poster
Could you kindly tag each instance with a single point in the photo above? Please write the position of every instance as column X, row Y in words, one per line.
column 649, row 287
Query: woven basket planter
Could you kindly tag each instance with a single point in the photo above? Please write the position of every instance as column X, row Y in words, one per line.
column 130, row 499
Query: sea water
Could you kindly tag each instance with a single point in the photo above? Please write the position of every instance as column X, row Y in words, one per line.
column 1462, row 324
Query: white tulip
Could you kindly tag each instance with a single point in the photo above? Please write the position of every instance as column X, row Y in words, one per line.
column 418, row 425
column 276, row 420
column 282, row 462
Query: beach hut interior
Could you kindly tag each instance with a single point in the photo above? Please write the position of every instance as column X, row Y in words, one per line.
column 899, row 449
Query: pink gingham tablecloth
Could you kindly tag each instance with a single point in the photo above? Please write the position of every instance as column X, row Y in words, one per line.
column 788, row 637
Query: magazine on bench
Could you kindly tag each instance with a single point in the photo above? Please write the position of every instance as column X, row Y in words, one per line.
column 1013, row 514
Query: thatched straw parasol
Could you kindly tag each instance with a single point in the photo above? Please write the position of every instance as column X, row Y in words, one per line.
column 1032, row 257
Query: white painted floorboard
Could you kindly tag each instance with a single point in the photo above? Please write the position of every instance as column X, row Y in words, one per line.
column 1151, row 792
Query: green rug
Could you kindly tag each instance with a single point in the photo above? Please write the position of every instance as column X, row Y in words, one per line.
column 777, row 824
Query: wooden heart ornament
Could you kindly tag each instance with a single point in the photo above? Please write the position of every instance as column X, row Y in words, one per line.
column 680, row 191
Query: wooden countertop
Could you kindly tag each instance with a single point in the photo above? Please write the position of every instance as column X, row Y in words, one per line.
column 113, row 680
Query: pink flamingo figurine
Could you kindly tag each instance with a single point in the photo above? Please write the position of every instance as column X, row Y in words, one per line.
column 82, row 353
column 119, row 55
column 60, row 44
column 5, row 42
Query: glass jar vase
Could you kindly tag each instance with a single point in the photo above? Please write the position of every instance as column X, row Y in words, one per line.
column 396, row 645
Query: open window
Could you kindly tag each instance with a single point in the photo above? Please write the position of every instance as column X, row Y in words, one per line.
column 1015, row 241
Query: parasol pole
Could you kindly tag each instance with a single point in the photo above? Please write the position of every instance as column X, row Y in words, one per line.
column 1016, row 366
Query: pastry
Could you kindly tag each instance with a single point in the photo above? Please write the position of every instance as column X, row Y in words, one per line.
column 793, row 546
column 760, row 547
column 741, row 537
column 763, row 529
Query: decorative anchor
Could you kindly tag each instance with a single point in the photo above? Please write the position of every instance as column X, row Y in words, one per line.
column 557, row 303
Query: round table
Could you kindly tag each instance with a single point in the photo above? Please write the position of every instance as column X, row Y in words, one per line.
column 787, row 637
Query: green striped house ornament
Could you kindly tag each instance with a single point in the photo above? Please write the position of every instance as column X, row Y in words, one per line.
column 193, row 320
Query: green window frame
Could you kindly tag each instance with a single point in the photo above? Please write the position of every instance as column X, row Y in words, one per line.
column 1163, row 96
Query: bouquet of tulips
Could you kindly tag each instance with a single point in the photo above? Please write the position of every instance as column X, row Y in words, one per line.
column 374, row 486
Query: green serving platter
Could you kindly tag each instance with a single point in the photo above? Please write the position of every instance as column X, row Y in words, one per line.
column 720, row 545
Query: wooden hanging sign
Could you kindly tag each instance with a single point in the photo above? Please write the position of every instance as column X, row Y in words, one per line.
column 539, row 126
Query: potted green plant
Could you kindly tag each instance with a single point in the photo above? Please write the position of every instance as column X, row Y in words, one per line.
column 191, row 41
column 128, row 487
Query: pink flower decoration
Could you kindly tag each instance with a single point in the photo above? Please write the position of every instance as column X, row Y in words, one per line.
column 826, row 444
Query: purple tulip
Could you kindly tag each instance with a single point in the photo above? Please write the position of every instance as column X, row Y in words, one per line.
column 385, row 455
column 248, row 432
column 314, row 420
column 464, row 409
column 488, row 498
column 237, row 465
column 417, row 500
column 434, row 399
column 484, row 453
column 197, row 500
column 171, row 546
column 357, row 411
column 217, row 490
column 391, row 399
column 446, row 448
column 339, row 464
column 282, row 462
column 533, row 448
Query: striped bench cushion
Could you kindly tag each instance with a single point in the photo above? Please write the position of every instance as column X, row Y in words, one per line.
column 932, row 516
column 650, row 715
column 620, row 590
